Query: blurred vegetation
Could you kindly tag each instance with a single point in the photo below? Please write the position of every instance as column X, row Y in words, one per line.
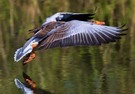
column 108, row 69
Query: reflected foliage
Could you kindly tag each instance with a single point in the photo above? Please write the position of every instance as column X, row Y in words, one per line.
column 105, row 69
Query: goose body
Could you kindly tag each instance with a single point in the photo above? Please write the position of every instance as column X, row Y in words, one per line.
column 67, row 29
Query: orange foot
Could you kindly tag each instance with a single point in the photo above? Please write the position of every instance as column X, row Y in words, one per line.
column 29, row 58
column 31, row 55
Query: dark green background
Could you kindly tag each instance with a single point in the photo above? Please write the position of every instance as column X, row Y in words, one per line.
column 105, row 69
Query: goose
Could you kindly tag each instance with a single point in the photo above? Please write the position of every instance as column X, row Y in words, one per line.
column 68, row 29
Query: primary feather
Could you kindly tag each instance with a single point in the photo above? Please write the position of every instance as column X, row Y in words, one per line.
column 76, row 32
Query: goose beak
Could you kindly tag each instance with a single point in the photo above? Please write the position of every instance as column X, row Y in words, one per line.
column 99, row 23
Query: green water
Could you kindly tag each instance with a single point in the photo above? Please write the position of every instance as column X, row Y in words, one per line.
column 76, row 70
column 105, row 69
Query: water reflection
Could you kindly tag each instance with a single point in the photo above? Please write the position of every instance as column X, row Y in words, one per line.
column 29, row 87
column 21, row 86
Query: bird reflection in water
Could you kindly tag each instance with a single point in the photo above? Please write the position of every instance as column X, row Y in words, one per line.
column 29, row 87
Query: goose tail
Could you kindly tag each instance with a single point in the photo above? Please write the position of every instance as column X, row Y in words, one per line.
column 21, row 52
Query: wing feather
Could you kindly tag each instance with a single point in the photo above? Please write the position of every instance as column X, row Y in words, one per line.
column 75, row 33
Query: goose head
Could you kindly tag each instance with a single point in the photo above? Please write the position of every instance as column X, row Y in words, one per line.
column 56, row 17
column 68, row 16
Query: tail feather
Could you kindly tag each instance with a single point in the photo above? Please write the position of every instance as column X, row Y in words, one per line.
column 26, row 49
column 20, row 53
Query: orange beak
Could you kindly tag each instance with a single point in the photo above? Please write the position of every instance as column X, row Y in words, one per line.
column 99, row 23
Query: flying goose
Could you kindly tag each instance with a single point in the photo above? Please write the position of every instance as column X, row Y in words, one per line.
column 67, row 29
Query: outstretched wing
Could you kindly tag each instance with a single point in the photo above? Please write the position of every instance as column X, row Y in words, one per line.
column 75, row 33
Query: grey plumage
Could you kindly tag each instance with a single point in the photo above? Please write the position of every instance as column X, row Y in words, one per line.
column 69, row 29
column 76, row 32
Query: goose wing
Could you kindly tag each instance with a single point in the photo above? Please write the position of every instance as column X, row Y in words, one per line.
column 76, row 32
